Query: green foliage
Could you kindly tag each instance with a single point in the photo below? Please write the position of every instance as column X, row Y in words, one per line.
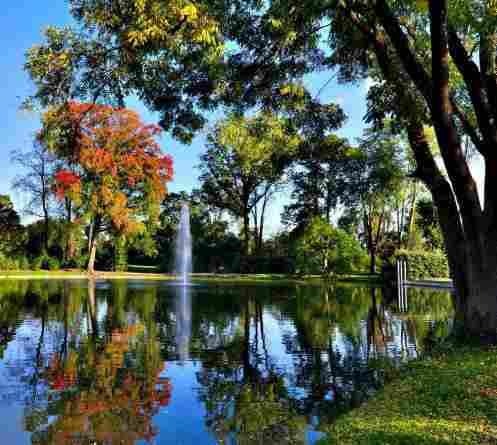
column 427, row 221
column 116, row 48
column 53, row 264
column 120, row 254
column 325, row 175
column 323, row 249
column 425, row 264
column 8, row 263
column 38, row 262
column 246, row 159
column 12, row 235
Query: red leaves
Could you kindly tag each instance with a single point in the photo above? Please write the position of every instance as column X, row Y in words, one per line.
column 66, row 178
column 116, row 156
column 65, row 181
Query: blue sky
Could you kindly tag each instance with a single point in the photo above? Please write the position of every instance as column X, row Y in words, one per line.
column 21, row 24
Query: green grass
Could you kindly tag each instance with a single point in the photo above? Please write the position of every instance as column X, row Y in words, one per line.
column 149, row 274
column 450, row 398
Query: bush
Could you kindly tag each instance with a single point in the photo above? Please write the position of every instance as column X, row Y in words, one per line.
column 23, row 263
column 53, row 264
column 40, row 262
column 6, row 263
column 421, row 264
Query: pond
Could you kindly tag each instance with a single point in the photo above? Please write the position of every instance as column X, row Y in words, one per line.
column 148, row 362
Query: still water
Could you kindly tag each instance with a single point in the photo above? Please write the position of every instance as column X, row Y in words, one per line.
column 126, row 362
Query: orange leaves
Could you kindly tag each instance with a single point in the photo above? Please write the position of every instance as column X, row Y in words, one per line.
column 116, row 157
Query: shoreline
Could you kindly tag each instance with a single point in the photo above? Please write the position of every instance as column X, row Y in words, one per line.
column 201, row 277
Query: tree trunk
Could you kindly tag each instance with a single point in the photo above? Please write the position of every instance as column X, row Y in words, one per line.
column 92, row 255
column 262, row 219
column 412, row 219
column 46, row 222
column 373, row 262
column 246, row 231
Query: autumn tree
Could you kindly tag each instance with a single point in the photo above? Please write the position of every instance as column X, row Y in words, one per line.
column 116, row 175
column 245, row 157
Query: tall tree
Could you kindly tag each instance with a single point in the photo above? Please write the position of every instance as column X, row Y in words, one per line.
column 433, row 77
column 34, row 182
column 117, row 174
column 380, row 184
column 245, row 157
column 323, row 177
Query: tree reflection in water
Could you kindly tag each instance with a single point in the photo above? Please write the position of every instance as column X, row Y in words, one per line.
column 104, row 381
column 267, row 364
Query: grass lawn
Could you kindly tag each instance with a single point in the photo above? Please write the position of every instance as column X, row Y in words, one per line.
column 199, row 278
column 450, row 398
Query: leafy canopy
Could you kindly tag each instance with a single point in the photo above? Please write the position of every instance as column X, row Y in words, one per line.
column 115, row 172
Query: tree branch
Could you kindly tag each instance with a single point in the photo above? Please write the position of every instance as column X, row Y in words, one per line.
column 473, row 81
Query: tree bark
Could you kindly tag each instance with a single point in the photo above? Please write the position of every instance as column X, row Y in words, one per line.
column 92, row 254
column 262, row 219
column 246, row 231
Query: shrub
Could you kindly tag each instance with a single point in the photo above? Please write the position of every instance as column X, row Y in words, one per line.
column 421, row 264
column 38, row 262
column 53, row 264
column 23, row 263
column 6, row 263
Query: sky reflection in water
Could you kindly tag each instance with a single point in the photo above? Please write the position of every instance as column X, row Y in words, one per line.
column 119, row 362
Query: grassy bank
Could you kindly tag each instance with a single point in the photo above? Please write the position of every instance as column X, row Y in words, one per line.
column 447, row 399
column 198, row 278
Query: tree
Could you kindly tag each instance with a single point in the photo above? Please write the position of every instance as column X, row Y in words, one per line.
column 457, row 95
column 327, row 250
column 380, row 184
column 10, row 227
column 117, row 174
column 39, row 166
column 245, row 158
column 324, row 176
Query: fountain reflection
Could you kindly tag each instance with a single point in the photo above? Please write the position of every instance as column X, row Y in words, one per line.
column 183, row 327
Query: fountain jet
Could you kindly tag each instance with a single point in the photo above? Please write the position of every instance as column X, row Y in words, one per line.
column 184, row 246
column 183, row 269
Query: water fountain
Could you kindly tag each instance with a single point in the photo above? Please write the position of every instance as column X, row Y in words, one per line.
column 183, row 269
column 184, row 246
